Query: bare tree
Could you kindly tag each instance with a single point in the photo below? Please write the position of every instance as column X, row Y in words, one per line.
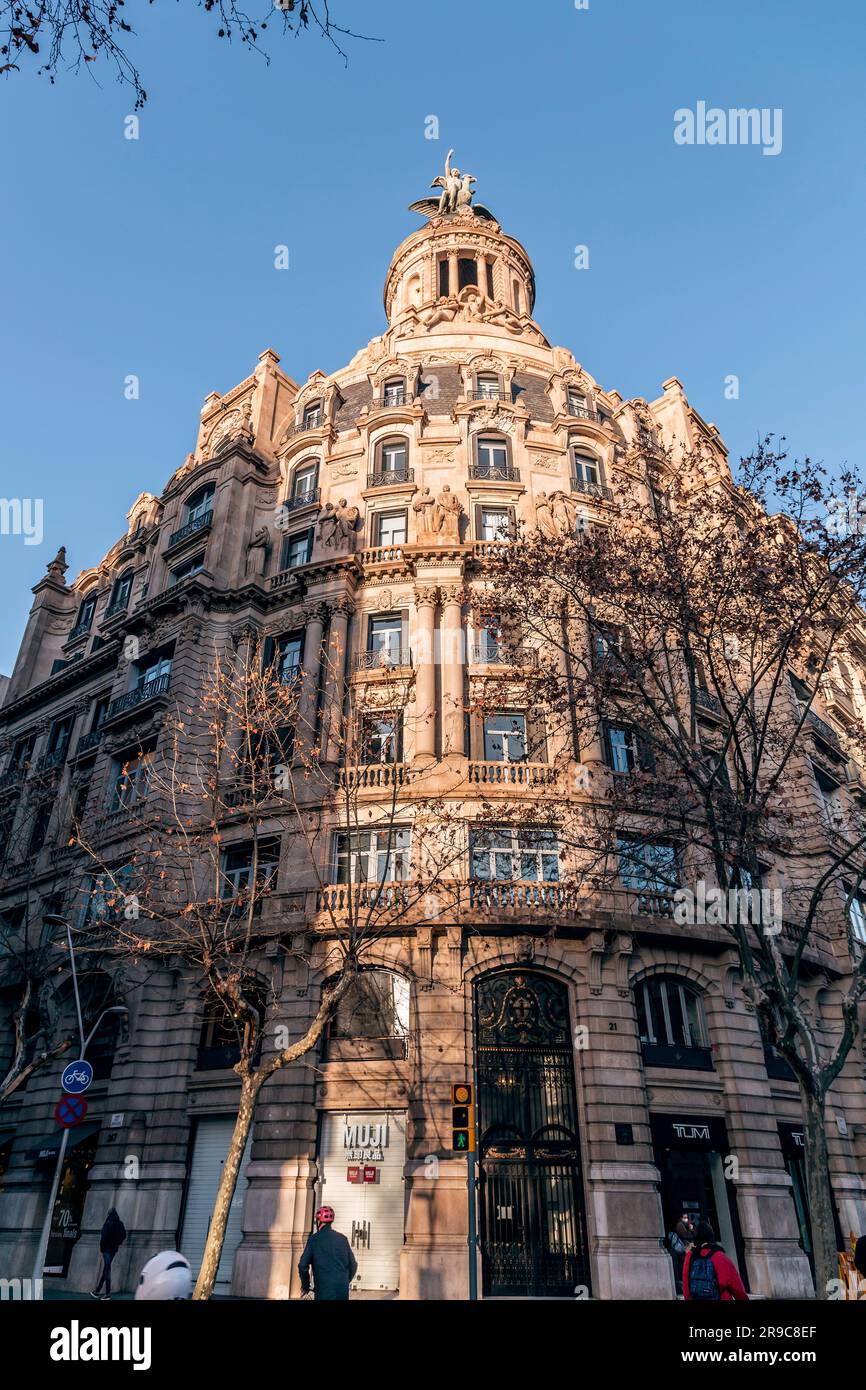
column 53, row 34
column 690, row 633
column 249, row 766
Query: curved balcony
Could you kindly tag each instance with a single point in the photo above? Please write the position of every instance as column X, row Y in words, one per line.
column 135, row 699
column 391, row 477
column 597, row 490
column 490, row 473
column 192, row 528
column 502, row 774
column 374, row 776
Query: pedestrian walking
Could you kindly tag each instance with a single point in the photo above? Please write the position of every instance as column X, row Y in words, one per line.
column 329, row 1255
column 708, row 1274
column 678, row 1242
column 111, row 1237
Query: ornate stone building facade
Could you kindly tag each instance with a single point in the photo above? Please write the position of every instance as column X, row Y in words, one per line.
column 617, row 1063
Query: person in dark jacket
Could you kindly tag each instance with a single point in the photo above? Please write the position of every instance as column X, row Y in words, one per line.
column 330, row 1257
column 111, row 1237
column 707, row 1271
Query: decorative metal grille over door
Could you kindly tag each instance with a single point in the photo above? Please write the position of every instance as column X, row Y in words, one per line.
column 533, row 1228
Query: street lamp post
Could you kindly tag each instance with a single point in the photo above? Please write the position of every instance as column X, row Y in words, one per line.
column 42, row 1247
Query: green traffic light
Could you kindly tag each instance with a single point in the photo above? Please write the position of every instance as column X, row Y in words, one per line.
column 461, row 1139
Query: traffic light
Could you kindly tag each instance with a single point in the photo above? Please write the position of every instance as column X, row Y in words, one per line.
column 462, row 1118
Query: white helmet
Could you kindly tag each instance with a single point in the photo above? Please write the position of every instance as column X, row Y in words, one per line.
column 167, row 1275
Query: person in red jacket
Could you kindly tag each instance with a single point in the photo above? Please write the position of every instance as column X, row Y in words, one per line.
column 707, row 1271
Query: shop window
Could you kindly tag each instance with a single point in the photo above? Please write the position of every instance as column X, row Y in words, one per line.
column 372, row 1020
column 505, row 854
column 671, row 1024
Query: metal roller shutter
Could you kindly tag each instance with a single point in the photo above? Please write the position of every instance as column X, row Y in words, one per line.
column 211, row 1144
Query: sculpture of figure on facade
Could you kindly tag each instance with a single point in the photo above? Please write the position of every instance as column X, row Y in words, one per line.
column 446, row 514
column 337, row 523
column 544, row 517
column 423, row 507
column 257, row 551
column 564, row 513
column 456, row 195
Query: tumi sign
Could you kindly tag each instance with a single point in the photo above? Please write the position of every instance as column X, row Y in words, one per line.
column 704, row 1132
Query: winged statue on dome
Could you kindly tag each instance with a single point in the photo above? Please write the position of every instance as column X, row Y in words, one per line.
column 455, row 196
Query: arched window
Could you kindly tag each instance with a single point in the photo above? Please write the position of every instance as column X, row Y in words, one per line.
column 86, row 609
column 312, row 416
column 222, row 1035
column 491, row 459
column 304, row 481
column 372, row 1020
column 200, row 503
column 586, row 473
column 392, row 463
column 672, row 1025
column 121, row 592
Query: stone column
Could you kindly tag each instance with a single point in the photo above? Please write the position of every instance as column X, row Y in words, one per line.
column 335, row 682
column 311, row 673
column 481, row 262
column 452, row 672
column 425, row 674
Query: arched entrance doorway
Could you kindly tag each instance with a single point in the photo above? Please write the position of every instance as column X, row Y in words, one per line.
column 533, row 1227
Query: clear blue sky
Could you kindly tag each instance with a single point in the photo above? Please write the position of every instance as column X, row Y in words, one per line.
column 155, row 256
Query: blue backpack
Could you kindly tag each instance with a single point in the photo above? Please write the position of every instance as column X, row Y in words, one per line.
column 703, row 1283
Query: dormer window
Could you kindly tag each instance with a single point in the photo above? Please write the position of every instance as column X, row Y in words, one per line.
column 200, row 504
column 394, row 392
column 487, row 387
column 312, row 416
column 577, row 402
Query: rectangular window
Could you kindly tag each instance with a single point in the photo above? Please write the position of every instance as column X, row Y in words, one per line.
column 391, row 528
column 297, row 550
column 576, row 401
column 505, row 738
column 467, row 270
column 857, row 917
column 153, row 670
column 487, row 387
column 304, row 483
column 394, row 459
column 586, row 471
column 130, row 782
column 23, row 752
column 647, row 867
column 39, row 828
column 443, row 278
column 284, row 656
column 373, row 856
column 395, row 392
column 494, row 524
column 490, row 291
column 385, row 639
column 194, row 565
column 504, row 854
column 237, row 870
column 313, row 416
column 381, row 738
column 61, row 732
column 106, row 895
column 492, row 458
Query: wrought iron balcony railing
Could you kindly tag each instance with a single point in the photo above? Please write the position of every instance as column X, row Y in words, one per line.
column 303, row 499
column 488, row 472
column 192, row 528
column 496, row 654
column 87, row 742
column 384, row 660
column 141, row 695
column 582, row 412
column 390, row 477
column 490, row 393
column 587, row 489
column 707, row 699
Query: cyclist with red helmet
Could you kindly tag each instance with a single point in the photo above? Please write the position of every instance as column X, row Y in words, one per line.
column 330, row 1257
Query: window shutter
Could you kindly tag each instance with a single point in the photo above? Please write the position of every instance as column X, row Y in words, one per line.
column 478, row 531
column 404, row 633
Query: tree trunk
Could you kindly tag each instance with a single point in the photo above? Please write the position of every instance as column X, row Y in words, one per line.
column 250, row 1087
column 819, row 1194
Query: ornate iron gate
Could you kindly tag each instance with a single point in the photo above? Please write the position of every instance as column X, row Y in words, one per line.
column 533, row 1228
